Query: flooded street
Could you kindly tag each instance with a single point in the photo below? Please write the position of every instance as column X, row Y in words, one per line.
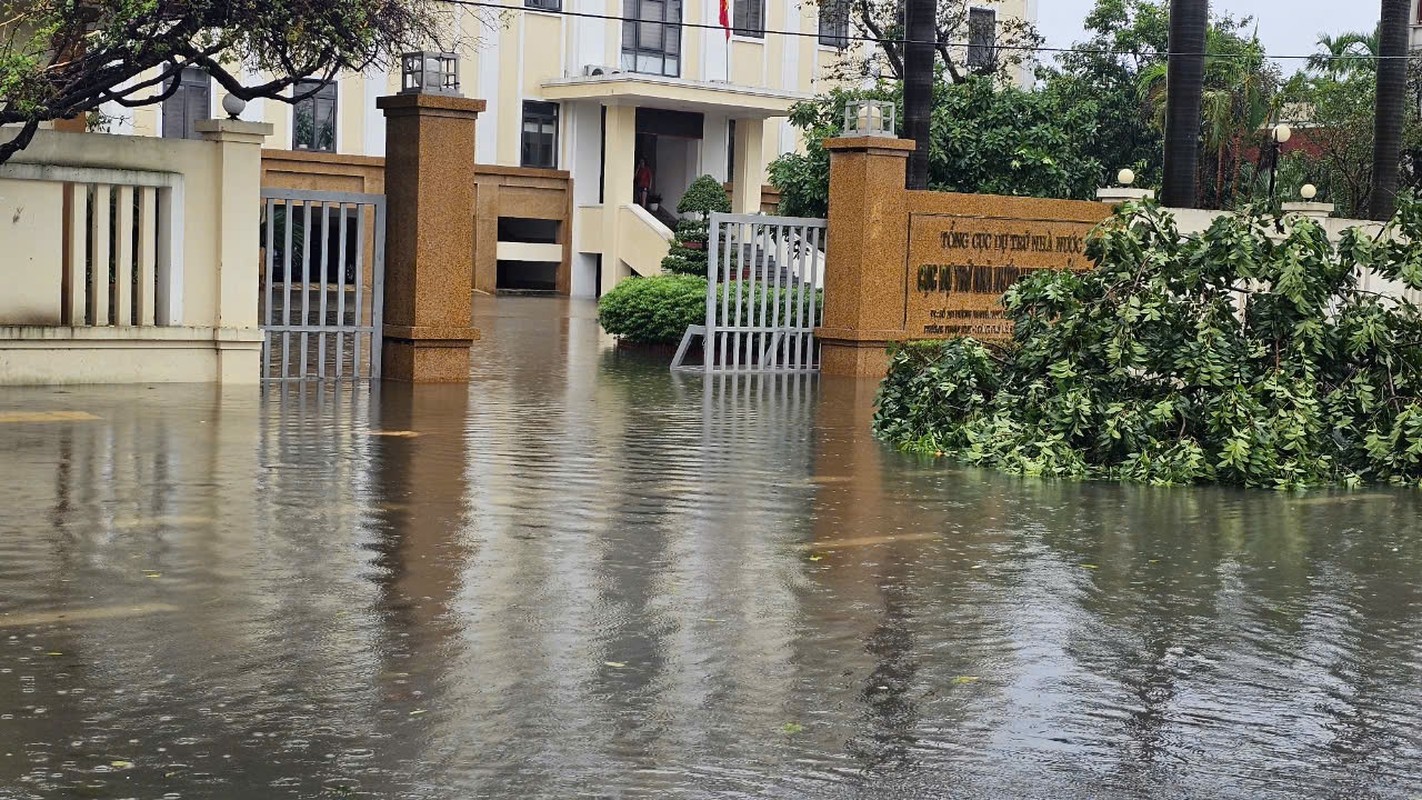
column 583, row 576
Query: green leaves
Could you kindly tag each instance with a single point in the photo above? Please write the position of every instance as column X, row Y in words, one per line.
column 1242, row 356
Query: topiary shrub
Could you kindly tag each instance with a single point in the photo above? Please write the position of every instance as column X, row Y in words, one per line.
column 1245, row 355
column 703, row 196
column 654, row 310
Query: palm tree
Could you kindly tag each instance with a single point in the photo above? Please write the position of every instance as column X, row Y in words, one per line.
column 1388, row 117
column 921, row 29
column 1185, row 81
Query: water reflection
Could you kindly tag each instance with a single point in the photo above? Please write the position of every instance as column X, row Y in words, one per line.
column 583, row 575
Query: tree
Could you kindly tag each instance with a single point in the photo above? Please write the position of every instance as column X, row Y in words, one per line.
column 1189, row 21
column 1238, row 98
column 64, row 58
column 883, row 21
column 1391, row 94
column 687, row 255
column 1247, row 355
column 918, row 87
column 1333, row 99
column 984, row 137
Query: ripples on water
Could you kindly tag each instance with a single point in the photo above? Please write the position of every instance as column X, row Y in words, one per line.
column 582, row 576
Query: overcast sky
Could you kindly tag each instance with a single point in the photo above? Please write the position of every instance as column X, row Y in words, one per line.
column 1286, row 27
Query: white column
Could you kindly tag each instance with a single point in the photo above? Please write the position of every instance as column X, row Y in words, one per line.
column 745, row 192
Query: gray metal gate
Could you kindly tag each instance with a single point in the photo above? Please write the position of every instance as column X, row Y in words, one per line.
column 323, row 280
column 764, row 295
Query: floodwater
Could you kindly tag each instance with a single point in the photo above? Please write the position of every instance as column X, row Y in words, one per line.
column 582, row 576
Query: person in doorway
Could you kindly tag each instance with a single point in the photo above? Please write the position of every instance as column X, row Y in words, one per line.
column 642, row 182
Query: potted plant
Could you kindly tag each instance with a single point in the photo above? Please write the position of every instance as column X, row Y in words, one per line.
column 654, row 201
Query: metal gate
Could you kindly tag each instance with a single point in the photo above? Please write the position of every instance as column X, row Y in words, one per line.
column 323, row 280
column 764, row 295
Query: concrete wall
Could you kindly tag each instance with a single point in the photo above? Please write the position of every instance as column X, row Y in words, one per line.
column 196, row 252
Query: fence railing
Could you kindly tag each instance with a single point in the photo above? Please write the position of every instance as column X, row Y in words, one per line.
column 122, row 244
column 764, row 294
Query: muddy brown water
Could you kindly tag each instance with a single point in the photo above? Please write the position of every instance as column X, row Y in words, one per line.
column 581, row 576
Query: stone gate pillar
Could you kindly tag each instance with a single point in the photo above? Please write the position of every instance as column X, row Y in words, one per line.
column 867, row 251
column 429, row 237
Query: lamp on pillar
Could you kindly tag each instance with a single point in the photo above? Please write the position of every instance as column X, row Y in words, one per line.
column 428, row 72
column 1277, row 136
column 869, row 118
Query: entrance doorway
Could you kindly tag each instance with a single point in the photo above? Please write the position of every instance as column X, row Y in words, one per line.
column 669, row 144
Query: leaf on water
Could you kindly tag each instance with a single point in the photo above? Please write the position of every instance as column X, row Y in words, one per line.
column 54, row 653
column 417, row 712
column 121, row 764
column 1089, row 566
column 817, row 558
column 152, row 574
column 399, row 434
column 792, row 728
column 962, row 679
column 618, row 664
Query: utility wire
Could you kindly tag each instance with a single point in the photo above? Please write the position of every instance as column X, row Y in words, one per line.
column 486, row 4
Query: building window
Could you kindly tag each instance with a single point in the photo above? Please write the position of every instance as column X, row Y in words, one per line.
column 982, row 39
column 314, row 118
column 190, row 102
column 834, row 23
column 544, row 5
column 651, row 37
column 540, row 134
column 749, row 18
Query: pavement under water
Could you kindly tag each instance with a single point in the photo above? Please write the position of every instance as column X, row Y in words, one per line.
column 582, row 576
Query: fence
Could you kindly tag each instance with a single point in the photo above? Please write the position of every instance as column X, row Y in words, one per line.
column 764, row 295
column 129, row 259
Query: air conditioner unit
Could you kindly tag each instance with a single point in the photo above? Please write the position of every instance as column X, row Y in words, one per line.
column 594, row 70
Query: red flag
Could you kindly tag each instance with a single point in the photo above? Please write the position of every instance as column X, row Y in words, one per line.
column 726, row 17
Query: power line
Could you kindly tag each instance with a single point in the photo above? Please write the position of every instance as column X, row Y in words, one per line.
column 899, row 41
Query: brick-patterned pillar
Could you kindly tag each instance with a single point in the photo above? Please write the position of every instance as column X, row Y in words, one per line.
column 429, row 237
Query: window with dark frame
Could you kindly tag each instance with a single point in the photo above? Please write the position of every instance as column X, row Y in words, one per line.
column 834, row 23
column 190, row 102
column 539, row 138
column 544, row 5
column 982, row 39
column 748, row 18
column 731, row 151
column 314, row 117
column 651, row 37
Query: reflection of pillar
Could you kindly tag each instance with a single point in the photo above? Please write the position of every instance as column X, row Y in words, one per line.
column 620, row 138
column 745, row 188
column 865, row 291
column 429, row 236
column 424, row 491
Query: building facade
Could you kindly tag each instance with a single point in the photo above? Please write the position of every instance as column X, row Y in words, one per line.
column 599, row 114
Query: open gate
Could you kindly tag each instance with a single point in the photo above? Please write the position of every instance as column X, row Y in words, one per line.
column 764, row 295
column 323, row 280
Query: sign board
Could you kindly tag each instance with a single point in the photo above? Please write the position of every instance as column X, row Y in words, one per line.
column 959, row 266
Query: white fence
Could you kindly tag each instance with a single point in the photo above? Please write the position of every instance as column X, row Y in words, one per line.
column 131, row 259
column 764, row 295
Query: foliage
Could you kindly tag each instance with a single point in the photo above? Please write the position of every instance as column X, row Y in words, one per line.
column 657, row 310
column 683, row 260
column 64, row 58
column 883, row 22
column 1246, row 355
column 653, row 310
column 703, row 196
column 1333, row 100
column 986, row 138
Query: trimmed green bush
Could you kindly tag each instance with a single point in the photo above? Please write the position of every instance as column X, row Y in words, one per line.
column 1246, row 355
column 703, row 196
column 653, row 310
